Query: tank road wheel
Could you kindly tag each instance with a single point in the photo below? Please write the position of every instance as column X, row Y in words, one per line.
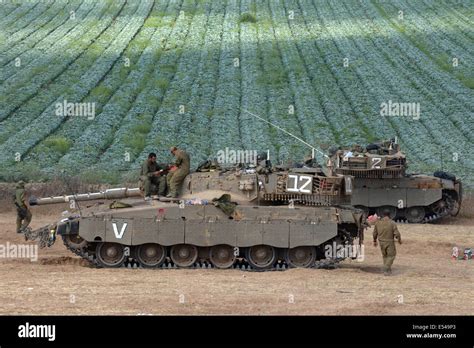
column 74, row 241
column 454, row 207
column 222, row 256
column 151, row 255
column 110, row 254
column 303, row 256
column 415, row 214
column 440, row 207
column 261, row 256
column 387, row 208
column 184, row 255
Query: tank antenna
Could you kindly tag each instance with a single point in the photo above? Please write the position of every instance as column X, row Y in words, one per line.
column 441, row 156
column 313, row 149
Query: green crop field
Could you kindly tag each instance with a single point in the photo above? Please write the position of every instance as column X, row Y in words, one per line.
column 90, row 87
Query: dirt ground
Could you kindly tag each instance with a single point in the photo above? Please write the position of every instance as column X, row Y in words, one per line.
column 425, row 281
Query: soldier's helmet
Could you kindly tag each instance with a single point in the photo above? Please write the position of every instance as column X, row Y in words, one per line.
column 20, row 184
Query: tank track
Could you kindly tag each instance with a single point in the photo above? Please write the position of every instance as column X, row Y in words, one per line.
column 240, row 264
column 429, row 218
column 42, row 236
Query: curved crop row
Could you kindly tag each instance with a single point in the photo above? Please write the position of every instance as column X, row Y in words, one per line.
column 129, row 134
column 47, row 121
column 447, row 13
column 43, row 69
column 442, row 83
column 32, row 23
column 280, row 100
column 44, row 97
column 436, row 115
column 253, row 132
column 370, row 72
column 196, row 122
column 405, row 85
column 166, row 129
column 439, row 77
column 328, row 93
column 316, row 128
column 193, row 122
column 6, row 9
column 224, row 124
column 141, row 47
column 129, row 139
column 15, row 18
column 99, row 135
column 32, row 45
column 431, row 94
column 434, row 35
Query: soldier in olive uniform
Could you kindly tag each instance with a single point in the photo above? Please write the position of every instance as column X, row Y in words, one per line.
column 153, row 173
column 176, row 177
column 23, row 212
column 386, row 232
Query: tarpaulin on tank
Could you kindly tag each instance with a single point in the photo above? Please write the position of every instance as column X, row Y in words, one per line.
column 225, row 204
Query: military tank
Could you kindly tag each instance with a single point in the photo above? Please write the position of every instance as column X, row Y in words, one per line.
column 252, row 218
column 382, row 184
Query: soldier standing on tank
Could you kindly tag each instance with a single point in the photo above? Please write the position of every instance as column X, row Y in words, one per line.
column 152, row 173
column 23, row 211
column 177, row 176
column 386, row 232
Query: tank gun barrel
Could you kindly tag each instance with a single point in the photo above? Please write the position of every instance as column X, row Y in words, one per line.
column 115, row 193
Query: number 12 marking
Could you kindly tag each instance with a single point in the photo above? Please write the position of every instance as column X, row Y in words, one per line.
column 297, row 179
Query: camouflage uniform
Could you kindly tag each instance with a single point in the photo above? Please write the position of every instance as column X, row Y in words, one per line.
column 386, row 231
column 23, row 212
column 148, row 179
column 176, row 178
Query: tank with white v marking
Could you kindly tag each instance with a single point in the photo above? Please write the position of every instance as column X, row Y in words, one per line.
column 254, row 218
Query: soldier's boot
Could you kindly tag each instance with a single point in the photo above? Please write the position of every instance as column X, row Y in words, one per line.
column 18, row 224
column 26, row 221
column 390, row 260
column 172, row 194
column 391, row 253
column 387, row 264
column 385, row 267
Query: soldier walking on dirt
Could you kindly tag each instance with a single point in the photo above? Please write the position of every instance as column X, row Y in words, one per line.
column 177, row 176
column 152, row 174
column 386, row 232
column 23, row 211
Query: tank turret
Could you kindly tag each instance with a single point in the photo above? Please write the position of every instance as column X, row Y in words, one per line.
column 379, row 160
